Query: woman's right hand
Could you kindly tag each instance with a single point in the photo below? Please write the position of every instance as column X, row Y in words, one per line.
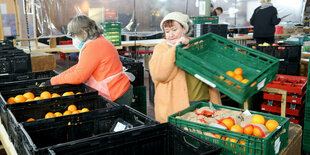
column 184, row 41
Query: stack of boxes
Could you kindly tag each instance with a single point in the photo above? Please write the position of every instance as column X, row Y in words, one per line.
column 288, row 54
column 112, row 32
column 295, row 100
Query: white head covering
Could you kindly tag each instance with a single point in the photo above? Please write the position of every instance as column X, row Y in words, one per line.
column 183, row 19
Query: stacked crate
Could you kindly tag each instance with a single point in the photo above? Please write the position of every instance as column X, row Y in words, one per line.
column 139, row 90
column 306, row 129
column 295, row 100
column 112, row 32
column 288, row 54
column 14, row 60
column 219, row 29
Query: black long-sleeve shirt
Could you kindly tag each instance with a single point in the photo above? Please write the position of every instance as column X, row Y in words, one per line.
column 264, row 21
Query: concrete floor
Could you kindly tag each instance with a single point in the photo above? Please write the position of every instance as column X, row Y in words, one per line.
column 61, row 66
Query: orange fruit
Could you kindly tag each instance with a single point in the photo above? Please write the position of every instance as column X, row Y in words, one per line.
column 11, row 100
column 242, row 142
column 72, row 108
column 85, row 110
column 38, row 98
column 30, row 99
column 228, row 122
column 257, row 131
column 75, row 112
column 229, row 82
column 30, row 119
column 55, row 95
column 20, row 98
column 49, row 115
column 67, row 113
column 29, row 95
column 78, row 93
column 80, row 111
column 68, row 93
column 230, row 73
column 248, row 129
column 238, row 77
column 258, row 119
column 221, row 77
column 271, row 125
column 46, row 95
column 236, row 128
column 253, row 84
column 245, row 81
column 238, row 71
column 58, row 114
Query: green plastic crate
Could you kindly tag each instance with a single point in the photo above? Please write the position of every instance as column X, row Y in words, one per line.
column 118, row 37
column 112, row 29
column 205, row 20
column 139, row 99
column 306, row 136
column 254, row 145
column 210, row 56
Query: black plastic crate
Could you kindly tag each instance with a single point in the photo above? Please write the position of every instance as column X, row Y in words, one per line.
column 289, row 68
column 284, row 52
column 20, row 114
column 162, row 139
column 24, row 80
column 60, row 89
column 27, row 76
column 151, row 89
column 219, row 29
column 39, row 135
column 15, row 64
column 136, row 68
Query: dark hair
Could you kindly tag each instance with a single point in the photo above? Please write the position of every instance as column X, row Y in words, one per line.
column 168, row 23
column 211, row 5
column 219, row 8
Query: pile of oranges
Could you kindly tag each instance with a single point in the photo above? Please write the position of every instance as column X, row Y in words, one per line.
column 29, row 96
column 72, row 109
column 255, row 128
column 236, row 74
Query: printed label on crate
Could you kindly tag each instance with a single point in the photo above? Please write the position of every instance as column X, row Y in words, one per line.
column 281, row 59
column 263, row 109
column 261, row 84
column 205, row 81
column 277, row 145
column 119, row 127
column 294, row 101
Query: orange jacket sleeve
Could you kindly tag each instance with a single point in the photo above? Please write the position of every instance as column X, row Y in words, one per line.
column 81, row 71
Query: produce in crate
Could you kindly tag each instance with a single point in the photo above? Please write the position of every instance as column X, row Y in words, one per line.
column 29, row 96
column 72, row 109
column 235, row 121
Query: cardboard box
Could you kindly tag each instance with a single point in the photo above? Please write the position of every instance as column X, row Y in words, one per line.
column 41, row 61
column 294, row 140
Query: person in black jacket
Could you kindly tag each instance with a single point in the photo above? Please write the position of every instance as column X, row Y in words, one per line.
column 264, row 20
column 218, row 11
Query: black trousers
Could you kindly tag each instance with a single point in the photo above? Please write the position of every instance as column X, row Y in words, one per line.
column 269, row 40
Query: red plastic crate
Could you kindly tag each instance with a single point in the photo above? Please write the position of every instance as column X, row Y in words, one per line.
column 276, row 108
column 292, row 84
column 68, row 42
column 290, row 98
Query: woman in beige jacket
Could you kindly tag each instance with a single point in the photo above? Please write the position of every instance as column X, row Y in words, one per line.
column 171, row 89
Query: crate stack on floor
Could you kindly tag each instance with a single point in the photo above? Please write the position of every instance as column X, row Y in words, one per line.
column 306, row 128
column 203, row 25
column 288, row 54
column 139, row 90
column 295, row 100
column 112, row 32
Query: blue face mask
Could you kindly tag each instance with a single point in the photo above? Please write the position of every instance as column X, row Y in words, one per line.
column 170, row 44
column 81, row 45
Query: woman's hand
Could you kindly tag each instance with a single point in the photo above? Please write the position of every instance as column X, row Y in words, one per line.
column 184, row 41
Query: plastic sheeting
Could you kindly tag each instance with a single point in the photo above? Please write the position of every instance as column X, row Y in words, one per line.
column 141, row 16
column 239, row 12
